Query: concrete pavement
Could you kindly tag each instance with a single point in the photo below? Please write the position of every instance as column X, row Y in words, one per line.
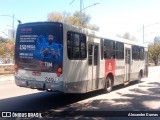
column 7, row 77
column 144, row 96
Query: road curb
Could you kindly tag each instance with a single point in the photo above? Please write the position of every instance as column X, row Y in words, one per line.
column 4, row 73
column 4, row 78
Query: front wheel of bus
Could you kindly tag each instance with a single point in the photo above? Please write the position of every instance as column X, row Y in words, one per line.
column 108, row 85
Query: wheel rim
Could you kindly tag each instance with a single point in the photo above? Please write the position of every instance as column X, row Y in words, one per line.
column 140, row 77
column 108, row 85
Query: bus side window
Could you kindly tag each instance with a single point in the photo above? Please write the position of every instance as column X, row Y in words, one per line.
column 135, row 52
column 102, row 53
column 119, row 50
column 90, row 54
column 83, row 46
column 109, row 49
column 76, row 45
column 96, row 55
column 69, row 45
column 141, row 53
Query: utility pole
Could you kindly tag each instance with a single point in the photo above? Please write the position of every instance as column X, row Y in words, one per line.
column 13, row 25
column 145, row 27
column 82, row 9
column 143, row 34
column 13, row 19
column 81, row 1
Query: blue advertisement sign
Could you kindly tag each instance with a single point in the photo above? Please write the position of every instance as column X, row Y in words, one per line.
column 39, row 46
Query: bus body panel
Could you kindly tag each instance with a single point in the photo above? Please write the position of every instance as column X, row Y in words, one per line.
column 75, row 71
column 102, row 77
column 79, row 75
column 136, row 67
column 82, row 81
column 119, row 72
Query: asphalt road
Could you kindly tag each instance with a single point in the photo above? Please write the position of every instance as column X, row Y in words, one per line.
column 144, row 96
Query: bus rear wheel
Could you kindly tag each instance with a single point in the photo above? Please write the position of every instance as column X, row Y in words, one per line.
column 108, row 85
column 140, row 75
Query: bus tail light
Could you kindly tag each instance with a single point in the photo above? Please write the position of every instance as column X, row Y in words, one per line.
column 42, row 64
column 36, row 73
column 59, row 72
column 16, row 68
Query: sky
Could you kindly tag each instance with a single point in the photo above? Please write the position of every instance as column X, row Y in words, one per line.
column 112, row 16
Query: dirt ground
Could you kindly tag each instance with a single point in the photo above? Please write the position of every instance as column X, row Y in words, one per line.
column 6, row 69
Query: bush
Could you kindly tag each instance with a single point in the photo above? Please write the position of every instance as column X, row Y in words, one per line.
column 6, row 68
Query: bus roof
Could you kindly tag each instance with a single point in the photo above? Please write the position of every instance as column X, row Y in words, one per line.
column 39, row 23
column 104, row 35
column 87, row 32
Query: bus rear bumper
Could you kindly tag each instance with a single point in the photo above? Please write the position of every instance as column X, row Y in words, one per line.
column 21, row 83
column 40, row 85
column 55, row 86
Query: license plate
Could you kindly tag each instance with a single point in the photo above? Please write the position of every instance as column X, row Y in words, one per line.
column 35, row 84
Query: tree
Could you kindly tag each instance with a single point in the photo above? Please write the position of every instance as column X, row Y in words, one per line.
column 7, row 48
column 154, row 52
column 2, row 39
column 56, row 17
column 2, row 49
column 127, row 35
column 77, row 19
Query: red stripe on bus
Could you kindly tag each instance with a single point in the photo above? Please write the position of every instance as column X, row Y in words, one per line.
column 109, row 67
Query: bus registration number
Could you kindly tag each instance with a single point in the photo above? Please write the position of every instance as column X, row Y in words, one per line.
column 48, row 79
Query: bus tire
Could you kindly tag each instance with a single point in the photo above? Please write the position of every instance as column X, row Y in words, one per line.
column 108, row 84
column 140, row 75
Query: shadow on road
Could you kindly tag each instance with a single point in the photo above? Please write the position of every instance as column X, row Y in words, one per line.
column 48, row 103
column 42, row 101
column 136, row 99
column 45, row 100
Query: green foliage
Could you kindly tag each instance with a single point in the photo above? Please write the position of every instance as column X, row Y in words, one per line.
column 77, row 19
column 154, row 52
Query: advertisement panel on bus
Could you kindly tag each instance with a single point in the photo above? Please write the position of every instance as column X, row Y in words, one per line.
column 39, row 48
column 39, row 55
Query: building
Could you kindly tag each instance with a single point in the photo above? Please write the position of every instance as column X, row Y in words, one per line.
column 10, row 34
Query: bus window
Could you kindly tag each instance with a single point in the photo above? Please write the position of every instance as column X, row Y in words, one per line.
column 69, row 45
column 76, row 45
column 83, row 47
column 141, row 53
column 135, row 52
column 90, row 54
column 102, row 50
column 119, row 50
column 96, row 55
column 109, row 49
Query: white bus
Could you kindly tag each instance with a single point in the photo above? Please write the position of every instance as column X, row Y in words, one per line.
column 55, row 56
